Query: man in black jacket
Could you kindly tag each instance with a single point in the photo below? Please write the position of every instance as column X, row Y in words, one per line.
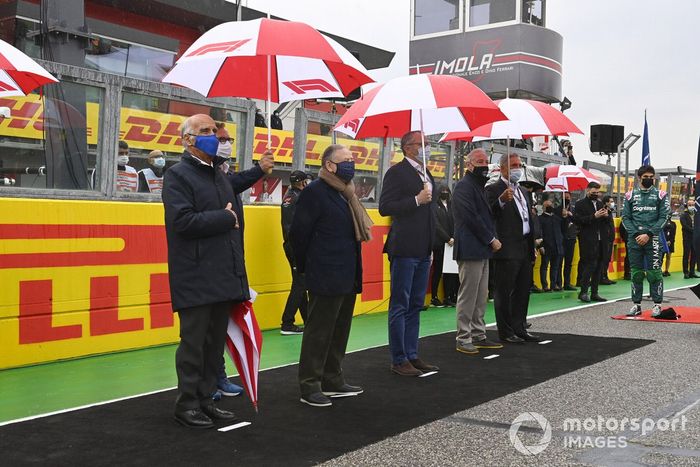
column 475, row 242
column 444, row 233
column 407, row 198
column 553, row 245
column 570, row 232
column 591, row 217
column 327, row 251
column 687, row 219
column 206, row 267
column 511, row 207
column 609, row 242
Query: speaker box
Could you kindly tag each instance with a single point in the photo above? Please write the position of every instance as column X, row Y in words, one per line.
column 606, row 138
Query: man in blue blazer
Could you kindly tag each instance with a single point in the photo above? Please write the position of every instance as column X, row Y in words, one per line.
column 475, row 242
column 407, row 198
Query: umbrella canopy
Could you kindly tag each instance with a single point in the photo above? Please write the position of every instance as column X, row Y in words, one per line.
column 567, row 178
column 244, row 345
column 240, row 59
column 19, row 74
column 526, row 118
column 431, row 103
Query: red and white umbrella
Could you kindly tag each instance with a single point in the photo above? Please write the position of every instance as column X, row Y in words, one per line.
column 429, row 103
column 567, row 178
column 19, row 74
column 526, row 118
column 244, row 345
column 269, row 59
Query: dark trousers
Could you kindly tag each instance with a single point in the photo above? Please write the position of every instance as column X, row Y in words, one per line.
column 607, row 256
column 450, row 282
column 569, row 246
column 512, row 280
column 592, row 259
column 198, row 357
column 554, row 263
column 688, row 254
column 296, row 300
column 325, row 339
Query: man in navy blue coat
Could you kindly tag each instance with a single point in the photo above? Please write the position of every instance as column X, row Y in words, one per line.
column 206, row 266
column 475, row 242
column 328, row 253
column 552, row 226
column 407, row 198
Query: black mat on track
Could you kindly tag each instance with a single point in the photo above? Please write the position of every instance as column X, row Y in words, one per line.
column 141, row 431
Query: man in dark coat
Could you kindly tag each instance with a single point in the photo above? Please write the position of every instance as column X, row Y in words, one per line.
column 327, row 251
column 297, row 298
column 511, row 207
column 206, row 267
column 609, row 230
column 475, row 242
column 591, row 217
column 553, row 245
column 407, row 198
column 570, row 231
column 687, row 219
column 670, row 235
column 444, row 233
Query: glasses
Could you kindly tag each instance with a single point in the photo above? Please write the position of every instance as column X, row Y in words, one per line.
column 226, row 140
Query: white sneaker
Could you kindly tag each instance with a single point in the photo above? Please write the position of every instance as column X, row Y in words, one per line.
column 656, row 311
column 636, row 310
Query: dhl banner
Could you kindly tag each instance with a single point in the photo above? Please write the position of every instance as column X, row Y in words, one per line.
column 147, row 130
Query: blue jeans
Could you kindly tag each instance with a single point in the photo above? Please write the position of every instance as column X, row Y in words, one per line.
column 409, row 282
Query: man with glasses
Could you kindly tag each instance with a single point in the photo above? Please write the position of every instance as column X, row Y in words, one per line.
column 645, row 212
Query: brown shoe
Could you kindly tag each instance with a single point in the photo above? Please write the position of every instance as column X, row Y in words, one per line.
column 406, row 369
column 422, row 366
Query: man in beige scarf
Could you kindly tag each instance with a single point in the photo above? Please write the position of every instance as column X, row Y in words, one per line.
column 326, row 234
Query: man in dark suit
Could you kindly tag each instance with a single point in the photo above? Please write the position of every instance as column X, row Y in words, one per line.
column 511, row 207
column 475, row 242
column 407, row 198
column 687, row 219
column 444, row 233
column 327, row 251
column 570, row 231
column 553, row 245
column 609, row 242
column 591, row 217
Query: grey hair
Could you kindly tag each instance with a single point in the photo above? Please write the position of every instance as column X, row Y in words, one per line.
column 405, row 138
column 186, row 128
column 329, row 151
column 473, row 153
column 504, row 161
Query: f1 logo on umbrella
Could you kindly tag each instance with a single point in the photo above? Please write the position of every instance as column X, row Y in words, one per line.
column 222, row 47
column 303, row 85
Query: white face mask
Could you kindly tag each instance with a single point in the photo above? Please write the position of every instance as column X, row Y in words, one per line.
column 427, row 152
column 159, row 162
column 122, row 160
column 225, row 150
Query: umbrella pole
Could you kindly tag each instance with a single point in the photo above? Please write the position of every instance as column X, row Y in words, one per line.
column 268, row 106
column 422, row 144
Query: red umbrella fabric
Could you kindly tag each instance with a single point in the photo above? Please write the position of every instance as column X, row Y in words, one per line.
column 567, row 178
column 19, row 74
column 244, row 345
column 526, row 118
column 431, row 103
column 231, row 60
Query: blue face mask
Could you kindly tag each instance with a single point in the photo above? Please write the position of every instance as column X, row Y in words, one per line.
column 345, row 170
column 208, row 144
column 515, row 175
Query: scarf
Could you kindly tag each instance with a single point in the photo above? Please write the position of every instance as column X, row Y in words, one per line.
column 360, row 218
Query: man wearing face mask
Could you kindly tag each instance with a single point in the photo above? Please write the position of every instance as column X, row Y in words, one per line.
column 475, row 243
column 591, row 217
column 326, row 234
column 645, row 212
column 609, row 230
column 553, row 244
column 206, row 267
column 511, row 207
column 407, row 196
column 444, row 234
column 687, row 219
column 127, row 177
column 151, row 178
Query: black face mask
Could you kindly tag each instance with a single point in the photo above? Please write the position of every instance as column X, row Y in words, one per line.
column 647, row 182
column 549, row 209
column 445, row 196
column 481, row 171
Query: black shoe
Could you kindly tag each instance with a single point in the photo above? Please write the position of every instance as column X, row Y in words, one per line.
column 598, row 298
column 527, row 337
column 343, row 391
column 216, row 413
column 436, row 303
column 569, row 287
column 666, row 274
column 194, row 418
column 607, row 282
column 316, row 399
column 450, row 303
column 556, row 289
column 545, row 290
column 686, row 275
column 290, row 330
column 534, row 289
column 694, row 276
column 512, row 340
column 584, row 297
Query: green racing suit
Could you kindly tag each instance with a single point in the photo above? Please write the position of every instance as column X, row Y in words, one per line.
column 645, row 212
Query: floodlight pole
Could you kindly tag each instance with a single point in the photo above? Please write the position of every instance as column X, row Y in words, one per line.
column 625, row 145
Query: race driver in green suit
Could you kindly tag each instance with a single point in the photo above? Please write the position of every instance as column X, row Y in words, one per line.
column 644, row 214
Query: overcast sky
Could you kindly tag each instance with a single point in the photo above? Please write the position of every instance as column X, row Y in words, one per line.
column 620, row 57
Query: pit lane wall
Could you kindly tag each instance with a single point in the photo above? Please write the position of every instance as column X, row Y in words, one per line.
column 89, row 277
